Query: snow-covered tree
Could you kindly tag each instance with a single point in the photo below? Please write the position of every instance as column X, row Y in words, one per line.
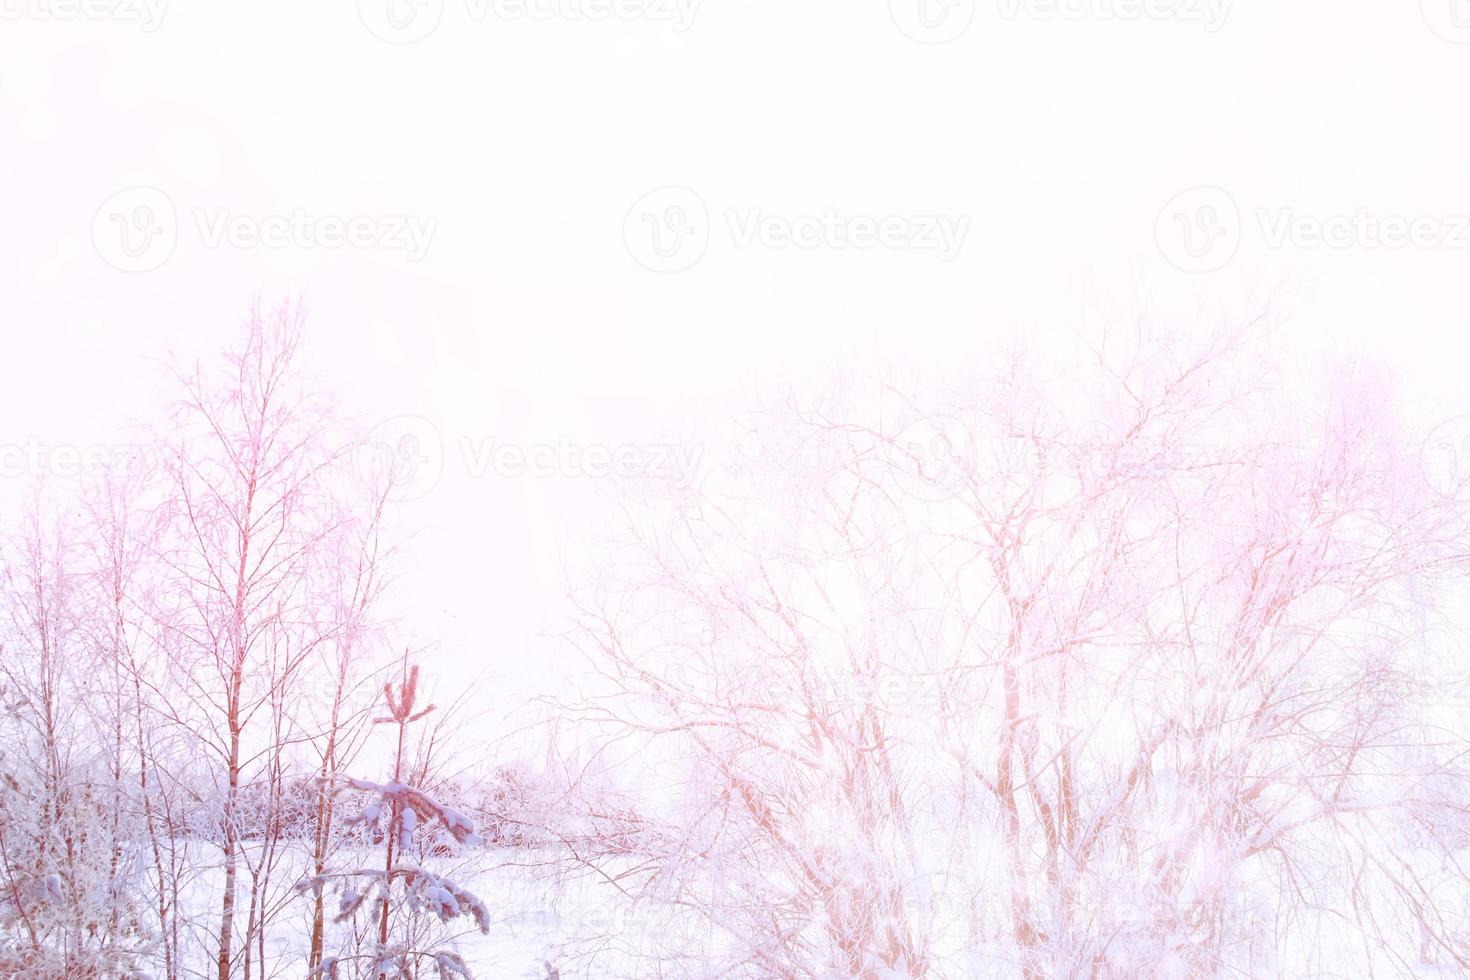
column 389, row 895
column 1120, row 668
column 68, row 844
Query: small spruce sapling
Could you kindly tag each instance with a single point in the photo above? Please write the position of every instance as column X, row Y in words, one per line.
column 398, row 810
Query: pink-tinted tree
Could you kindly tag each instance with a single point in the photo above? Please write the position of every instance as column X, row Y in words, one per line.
column 1116, row 668
column 397, row 810
column 257, row 619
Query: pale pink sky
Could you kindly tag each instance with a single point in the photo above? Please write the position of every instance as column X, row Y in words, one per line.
column 527, row 320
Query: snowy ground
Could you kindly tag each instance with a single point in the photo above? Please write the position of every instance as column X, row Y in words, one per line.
column 533, row 922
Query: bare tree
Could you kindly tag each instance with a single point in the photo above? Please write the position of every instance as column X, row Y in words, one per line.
column 185, row 653
column 250, row 538
column 359, row 582
column 65, row 833
column 1107, row 671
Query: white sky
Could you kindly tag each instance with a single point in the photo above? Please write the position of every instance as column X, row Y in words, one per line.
column 528, row 319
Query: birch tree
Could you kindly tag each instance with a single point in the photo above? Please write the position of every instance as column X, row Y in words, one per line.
column 254, row 458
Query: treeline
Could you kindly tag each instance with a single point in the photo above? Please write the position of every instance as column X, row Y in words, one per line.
column 189, row 649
